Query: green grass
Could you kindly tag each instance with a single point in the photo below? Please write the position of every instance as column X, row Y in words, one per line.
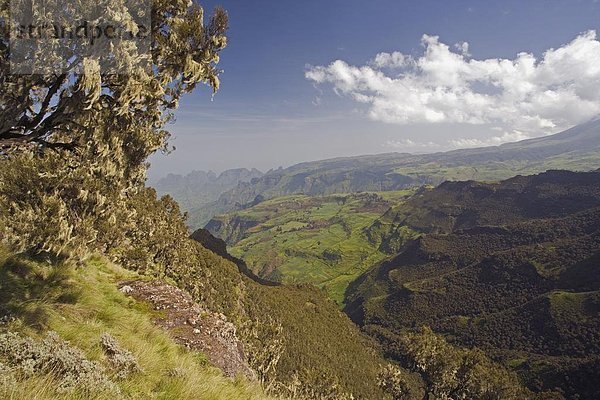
column 564, row 305
column 80, row 305
column 495, row 170
column 319, row 240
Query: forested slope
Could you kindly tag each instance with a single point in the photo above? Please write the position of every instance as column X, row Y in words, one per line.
column 511, row 268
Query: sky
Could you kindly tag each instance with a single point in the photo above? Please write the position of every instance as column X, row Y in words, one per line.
column 309, row 80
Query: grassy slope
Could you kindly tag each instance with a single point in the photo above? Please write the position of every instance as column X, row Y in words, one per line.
column 80, row 305
column 319, row 240
column 498, row 170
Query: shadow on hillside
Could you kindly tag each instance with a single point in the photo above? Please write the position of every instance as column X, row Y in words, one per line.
column 28, row 288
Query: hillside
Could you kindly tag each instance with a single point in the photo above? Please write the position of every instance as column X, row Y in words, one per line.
column 575, row 149
column 295, row 340
column 71, row 334
column 509, row 267
column 199, row 188
column 319, row 240
column 99, row 331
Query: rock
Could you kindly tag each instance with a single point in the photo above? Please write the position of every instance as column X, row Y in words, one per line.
column 126, row 289
column 193, row 326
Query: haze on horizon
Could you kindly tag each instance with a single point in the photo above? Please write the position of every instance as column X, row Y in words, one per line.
column 311, row 80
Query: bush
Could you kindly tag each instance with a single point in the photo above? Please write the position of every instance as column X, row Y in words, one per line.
column 7, row 377
column 27, row 357
column 455, row 373
column 122, row 360
column 397, row 383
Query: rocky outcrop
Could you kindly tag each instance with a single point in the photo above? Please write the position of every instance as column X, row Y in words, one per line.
column 192, row 326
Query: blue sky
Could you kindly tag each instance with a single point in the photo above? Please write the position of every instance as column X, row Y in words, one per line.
column 269, row 112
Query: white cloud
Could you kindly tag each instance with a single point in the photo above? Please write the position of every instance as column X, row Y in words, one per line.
column 463, row 48
column 506, row 137
column 391, row 60
column 445, row 85
column 408, row 144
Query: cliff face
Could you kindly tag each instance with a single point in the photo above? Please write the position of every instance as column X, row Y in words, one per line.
column 231, row 229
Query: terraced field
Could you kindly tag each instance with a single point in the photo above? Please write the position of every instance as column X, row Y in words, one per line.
column 319, row 240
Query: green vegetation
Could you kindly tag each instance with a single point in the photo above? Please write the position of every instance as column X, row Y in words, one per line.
column 65, row 204
column 198, row 188
column 318, row 240
column 297, row 340
column 74, row 145
column 576, row 149
column 103, row 345
column 62, row 201
column 448, row 372
column 502, row 273
column 509, row 267
column 112, row 342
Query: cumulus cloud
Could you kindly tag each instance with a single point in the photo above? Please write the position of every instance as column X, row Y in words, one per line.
column 408, row 144
column 506, row 137
column 445, row 85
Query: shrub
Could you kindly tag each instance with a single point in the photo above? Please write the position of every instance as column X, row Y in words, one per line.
column 122, row 360
column 398, row 383
column 27, row 357
column 455, row 373
column 7, row 377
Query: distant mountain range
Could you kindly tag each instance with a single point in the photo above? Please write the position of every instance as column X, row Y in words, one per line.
column 199, row 188
column 204, row 195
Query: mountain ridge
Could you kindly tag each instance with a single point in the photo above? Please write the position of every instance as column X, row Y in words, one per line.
column 196, row 189
column 577, row 148
column 508, row 267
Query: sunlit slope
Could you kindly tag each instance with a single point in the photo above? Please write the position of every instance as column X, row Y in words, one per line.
column 80, row 306
column 577, row 149
column 320, row 240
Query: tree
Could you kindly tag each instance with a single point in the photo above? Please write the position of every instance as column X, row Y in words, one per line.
column 454, row 373
column 399, row 384
column 74, row 141
column 58, row 109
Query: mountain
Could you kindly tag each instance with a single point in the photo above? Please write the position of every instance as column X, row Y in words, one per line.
column 508, row 267
column 219, row 247
column 198, row 188
column 575, row 149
